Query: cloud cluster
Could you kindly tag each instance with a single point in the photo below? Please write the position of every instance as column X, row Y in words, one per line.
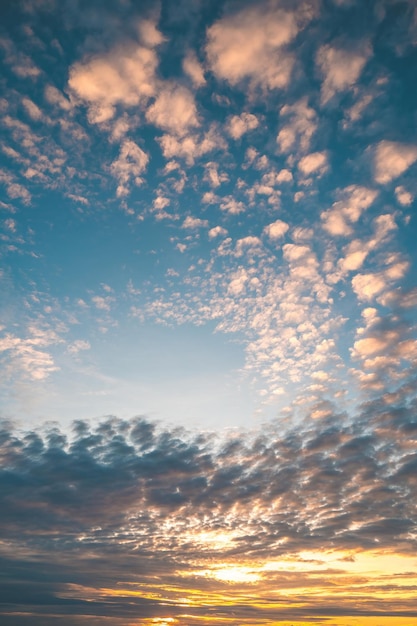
column 79, row 509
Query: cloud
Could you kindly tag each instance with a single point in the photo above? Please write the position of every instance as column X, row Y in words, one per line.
column 78, row 345
column 238, row 125
column 217, row 231
column 124, row 76
column 32, row 109
column 194, row 222
column 27, row 357
column 276, row 230
column 249, row 45
column 314, row 163
column 56, row 97
column 174, row 110
column 355, row 199
column 392, row 159
column 368, row 286
column 404, row 197
column 192, row 145
column 129, row 166
column 102, row 519
column 297, row 132
column 341, row 68
column 192, row 67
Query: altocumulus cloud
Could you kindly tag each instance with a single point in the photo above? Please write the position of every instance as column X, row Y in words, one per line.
column 127, row 502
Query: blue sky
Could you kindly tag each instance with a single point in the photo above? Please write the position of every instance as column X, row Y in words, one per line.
column 163, row 178
column 208, row 220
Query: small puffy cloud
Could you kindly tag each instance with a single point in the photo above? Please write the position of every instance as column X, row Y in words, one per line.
column 276, row 230
column 300, row 234
column 192, row 67
column 217, row 231
column 357, row 250
column 125, row 75
column 368, row 286
column 284, row 176
column 238, row 125
column 347, row 211
column 247, row 245
column 129, row 166
column 13, row 189
column 232, row 206
column 192, row 145
column 299, row 124
column 212, row 175
column 78, row 345
column 32, row 109
column 392, row 159
column 404, row 197
column 10, row 224
column 149, row 35
column 249, row 45
column 340, row 68
column 55, row 97
column 194, row 222
column 237, row 284
column 103, row 303
column 174, row 110
column 314, row 163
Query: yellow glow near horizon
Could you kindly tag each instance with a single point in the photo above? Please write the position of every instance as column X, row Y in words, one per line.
column 373, row 581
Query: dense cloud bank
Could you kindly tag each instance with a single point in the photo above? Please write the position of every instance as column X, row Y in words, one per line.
column 132, row 501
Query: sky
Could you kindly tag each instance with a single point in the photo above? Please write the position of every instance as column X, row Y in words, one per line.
column 208, row 342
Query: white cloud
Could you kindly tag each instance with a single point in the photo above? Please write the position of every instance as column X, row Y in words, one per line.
column 129, row 166
column 284, row 176
column 392, row 159
column 232, row 206
column 341, row 68
column 192, row 67
column 174, row 110
column 192, row 145
column 300, row 234
column 368, row 286
column 14, row 190
column 314, row 163
column 249, row 45
column 149, row 35
column 355, row 199
column 32, row 109
column 78, row 345
column 217, row 231
column 238, row 125
column 27, row 356
column 102, row 302
column 54, row 96
column 404, row 197
column 213, row 176
column 357, row 250
column 276, row 230
column 297, row 132
column 125, row 75
column 194, row 222
column 248, row 246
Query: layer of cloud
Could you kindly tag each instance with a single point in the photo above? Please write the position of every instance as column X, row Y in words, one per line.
column 102, row 514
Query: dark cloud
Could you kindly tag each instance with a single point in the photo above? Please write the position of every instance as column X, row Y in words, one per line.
column 126, row 500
